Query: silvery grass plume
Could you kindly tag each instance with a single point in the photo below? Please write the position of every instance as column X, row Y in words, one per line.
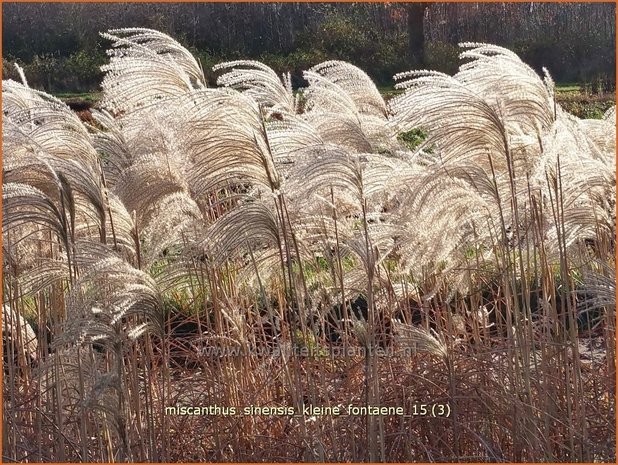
column 147, row 175
column 340, row 103
column 470, row 129
column 346, row 108
column 355, row 83
column 342, row 202
column 290, row 138
column 489, row 114
column 110, row 306
column 497, row 132
column 232, row 163
column 421, row 340
column 111, row 302
column 579, row 172
column 146, row 66
column 52, row 181
column 261, row 83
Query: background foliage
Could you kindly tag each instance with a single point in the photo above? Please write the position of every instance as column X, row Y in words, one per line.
column 60, row 48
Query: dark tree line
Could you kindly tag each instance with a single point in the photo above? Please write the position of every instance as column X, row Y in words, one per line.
column 60, row 47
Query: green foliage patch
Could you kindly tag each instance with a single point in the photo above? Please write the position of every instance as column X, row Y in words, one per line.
column 412, row 138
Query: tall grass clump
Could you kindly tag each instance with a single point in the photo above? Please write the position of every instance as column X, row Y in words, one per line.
column 257, row 246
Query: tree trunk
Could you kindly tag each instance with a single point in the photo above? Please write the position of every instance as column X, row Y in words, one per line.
column 416, row 37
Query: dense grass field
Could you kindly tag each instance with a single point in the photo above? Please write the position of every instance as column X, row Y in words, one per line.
column 251, row 272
